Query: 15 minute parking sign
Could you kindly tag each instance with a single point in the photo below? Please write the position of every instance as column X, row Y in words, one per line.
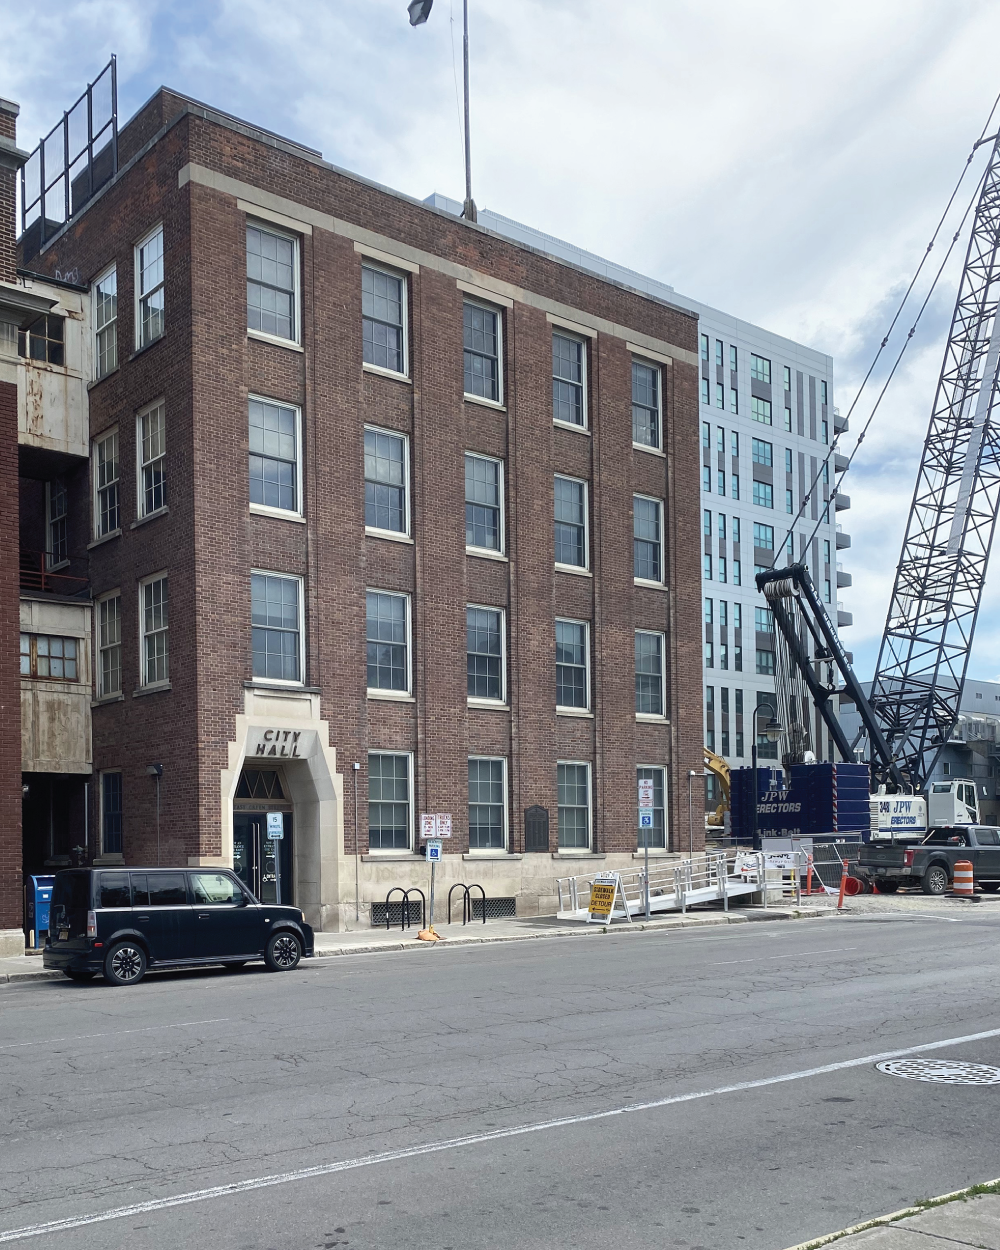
column 275, row 826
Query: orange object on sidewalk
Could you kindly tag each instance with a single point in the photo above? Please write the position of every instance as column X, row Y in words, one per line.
column 963, row 882
column 843, row 885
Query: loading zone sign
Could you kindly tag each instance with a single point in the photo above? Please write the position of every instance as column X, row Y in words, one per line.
column 605, row 894
column 435, row 825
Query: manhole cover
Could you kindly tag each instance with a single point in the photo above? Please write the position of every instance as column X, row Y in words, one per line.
column 949, row 1071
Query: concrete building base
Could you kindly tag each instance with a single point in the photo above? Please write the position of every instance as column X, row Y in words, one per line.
column 11, row 943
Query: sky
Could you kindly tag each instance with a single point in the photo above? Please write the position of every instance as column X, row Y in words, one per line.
column 784, row 161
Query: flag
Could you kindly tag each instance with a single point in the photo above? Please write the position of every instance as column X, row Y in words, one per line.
column 419, row 11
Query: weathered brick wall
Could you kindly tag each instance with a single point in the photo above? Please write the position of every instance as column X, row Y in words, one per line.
column 10, row 681
column 205, row 368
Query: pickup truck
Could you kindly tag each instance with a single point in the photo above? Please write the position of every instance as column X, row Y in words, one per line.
column 931, row 863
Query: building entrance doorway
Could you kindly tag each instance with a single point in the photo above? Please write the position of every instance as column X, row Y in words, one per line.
column 261, row 860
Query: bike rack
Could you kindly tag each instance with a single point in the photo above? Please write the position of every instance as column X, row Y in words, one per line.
column 467, row 916
column 404, row 919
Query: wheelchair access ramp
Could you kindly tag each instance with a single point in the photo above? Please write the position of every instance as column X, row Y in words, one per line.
column 716, row 876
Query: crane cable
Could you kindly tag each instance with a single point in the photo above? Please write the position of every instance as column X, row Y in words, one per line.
column 888, row 334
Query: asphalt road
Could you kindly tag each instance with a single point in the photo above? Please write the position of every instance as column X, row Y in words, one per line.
column 118, row 1097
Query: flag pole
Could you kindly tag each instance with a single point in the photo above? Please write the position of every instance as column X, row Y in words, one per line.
column 469, row 210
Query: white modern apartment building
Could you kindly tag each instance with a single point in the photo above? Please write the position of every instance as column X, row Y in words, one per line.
column 767, row 422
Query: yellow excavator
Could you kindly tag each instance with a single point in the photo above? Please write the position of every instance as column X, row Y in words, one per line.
column 718, row 767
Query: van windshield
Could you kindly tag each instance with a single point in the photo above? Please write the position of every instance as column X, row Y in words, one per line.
column 71, row 891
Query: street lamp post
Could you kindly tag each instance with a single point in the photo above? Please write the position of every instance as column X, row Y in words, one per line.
column 691, row 776
column 773, row 730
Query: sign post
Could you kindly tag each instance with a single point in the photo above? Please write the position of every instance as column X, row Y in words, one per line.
column 433, row 827
column 646, row 825
column 275, row 833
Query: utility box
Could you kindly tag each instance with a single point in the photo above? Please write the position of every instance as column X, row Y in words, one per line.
column 38, row 903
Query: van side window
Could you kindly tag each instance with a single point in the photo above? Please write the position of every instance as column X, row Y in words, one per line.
column 159, row 889
column 215, row 887
column 113, row 890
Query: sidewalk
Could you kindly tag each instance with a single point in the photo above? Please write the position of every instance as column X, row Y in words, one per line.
column 374, row 941
column 966, row 1218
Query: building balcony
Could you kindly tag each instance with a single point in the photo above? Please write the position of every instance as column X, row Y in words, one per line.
column 66, row 579
column 843, row 618
column 53, row 368
column 840, row 462
column 839, row 422
column 56, row 686
column 842, row 502
column 843, row 579
column 843, row 540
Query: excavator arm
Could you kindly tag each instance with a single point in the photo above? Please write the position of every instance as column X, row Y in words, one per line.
column 718, row 767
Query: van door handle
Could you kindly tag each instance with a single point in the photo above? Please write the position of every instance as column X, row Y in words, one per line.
column 203, row 915
column 143, row 919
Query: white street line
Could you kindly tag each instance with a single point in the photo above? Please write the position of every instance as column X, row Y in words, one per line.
column 835, row 950
column 85, row 1037
column 474, row 1139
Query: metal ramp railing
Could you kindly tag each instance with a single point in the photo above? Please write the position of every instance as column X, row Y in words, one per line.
column 716, row 876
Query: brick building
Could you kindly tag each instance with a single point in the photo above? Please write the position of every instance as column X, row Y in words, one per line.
column 384, row 514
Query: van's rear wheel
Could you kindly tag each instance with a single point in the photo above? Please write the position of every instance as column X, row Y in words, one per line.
column 125, row 964
column 283, row 952
column 935, row 880
column 78, row 974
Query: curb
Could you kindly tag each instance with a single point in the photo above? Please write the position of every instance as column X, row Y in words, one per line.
column 692, row 922
column 894, row 1216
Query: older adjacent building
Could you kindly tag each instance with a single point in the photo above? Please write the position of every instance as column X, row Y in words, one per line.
column 380, row 514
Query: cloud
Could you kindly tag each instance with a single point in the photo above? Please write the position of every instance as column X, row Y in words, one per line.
column 785, row 162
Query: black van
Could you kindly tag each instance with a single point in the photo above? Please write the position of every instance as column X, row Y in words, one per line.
column 122, row 921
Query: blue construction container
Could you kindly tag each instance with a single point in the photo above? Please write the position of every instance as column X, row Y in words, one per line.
column 822, row 801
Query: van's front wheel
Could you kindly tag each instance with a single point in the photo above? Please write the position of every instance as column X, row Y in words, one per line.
column 125, row 964
column 283, row 952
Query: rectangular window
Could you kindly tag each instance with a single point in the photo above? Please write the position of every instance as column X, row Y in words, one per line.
column 106, row 323
column 111, row 813
column 763, row 536
column 723, row 613
column 720, row 395
column 734, row 399
column 826, row 591
column 485, row 653
column 572, row 665
column 655, row 836
column 707, row 522
column 388, row 642
column 481, row 341
column 645, row 405
column 483, row 502
column 276, row 628
column 733, row 357
column 765, row 663
column 736, row 573
column 56, row 524
column 709, row 698
column 760, row 368
column 709, row 655
column 573, row 787
column 736, row 487
column 790, row 547
column 739, row 743
column 825, row 470
column 760, row 410
column 789, row 502
column 737, row 616
column 704, row 391
column 389, row 818
column 724, row 655
column 788, row 459
column 722, row 568
column 738, row 657
column 153, row 604
column 826, row 551
column 569, row 380
column 43, row 339
column 48, row 657
column 763, row 494
column 487, row 804
column 272, row 283
column 704, row 347
column 722, row 526
column 383, row 319
column 736, row 529
column 706, row 478
column 274, row 456
column 763, row 620
column 824, row 431
column 721, row 483
column 720, row 439
column 823, row 392
column 151, row 444
column 649, row 693
column 788, row 420
column 149, row 289
column 706, row 435
column 787, row 376
column 109, row 645
column 647, row 544
column 107, row 518
column 719, row 352
column 761, row 452
column 386, row 473
column 707, row 567
column 734, row 445
column 571, row 522
column 708, row 612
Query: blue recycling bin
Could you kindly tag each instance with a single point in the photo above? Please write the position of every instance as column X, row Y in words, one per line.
column 39, row 892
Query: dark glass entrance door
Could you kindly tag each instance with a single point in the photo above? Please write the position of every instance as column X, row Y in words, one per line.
column 263, row 863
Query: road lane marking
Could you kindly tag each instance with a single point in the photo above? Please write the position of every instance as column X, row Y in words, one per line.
column 84, row 1037
column 473, row 1139
column 835, row 950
